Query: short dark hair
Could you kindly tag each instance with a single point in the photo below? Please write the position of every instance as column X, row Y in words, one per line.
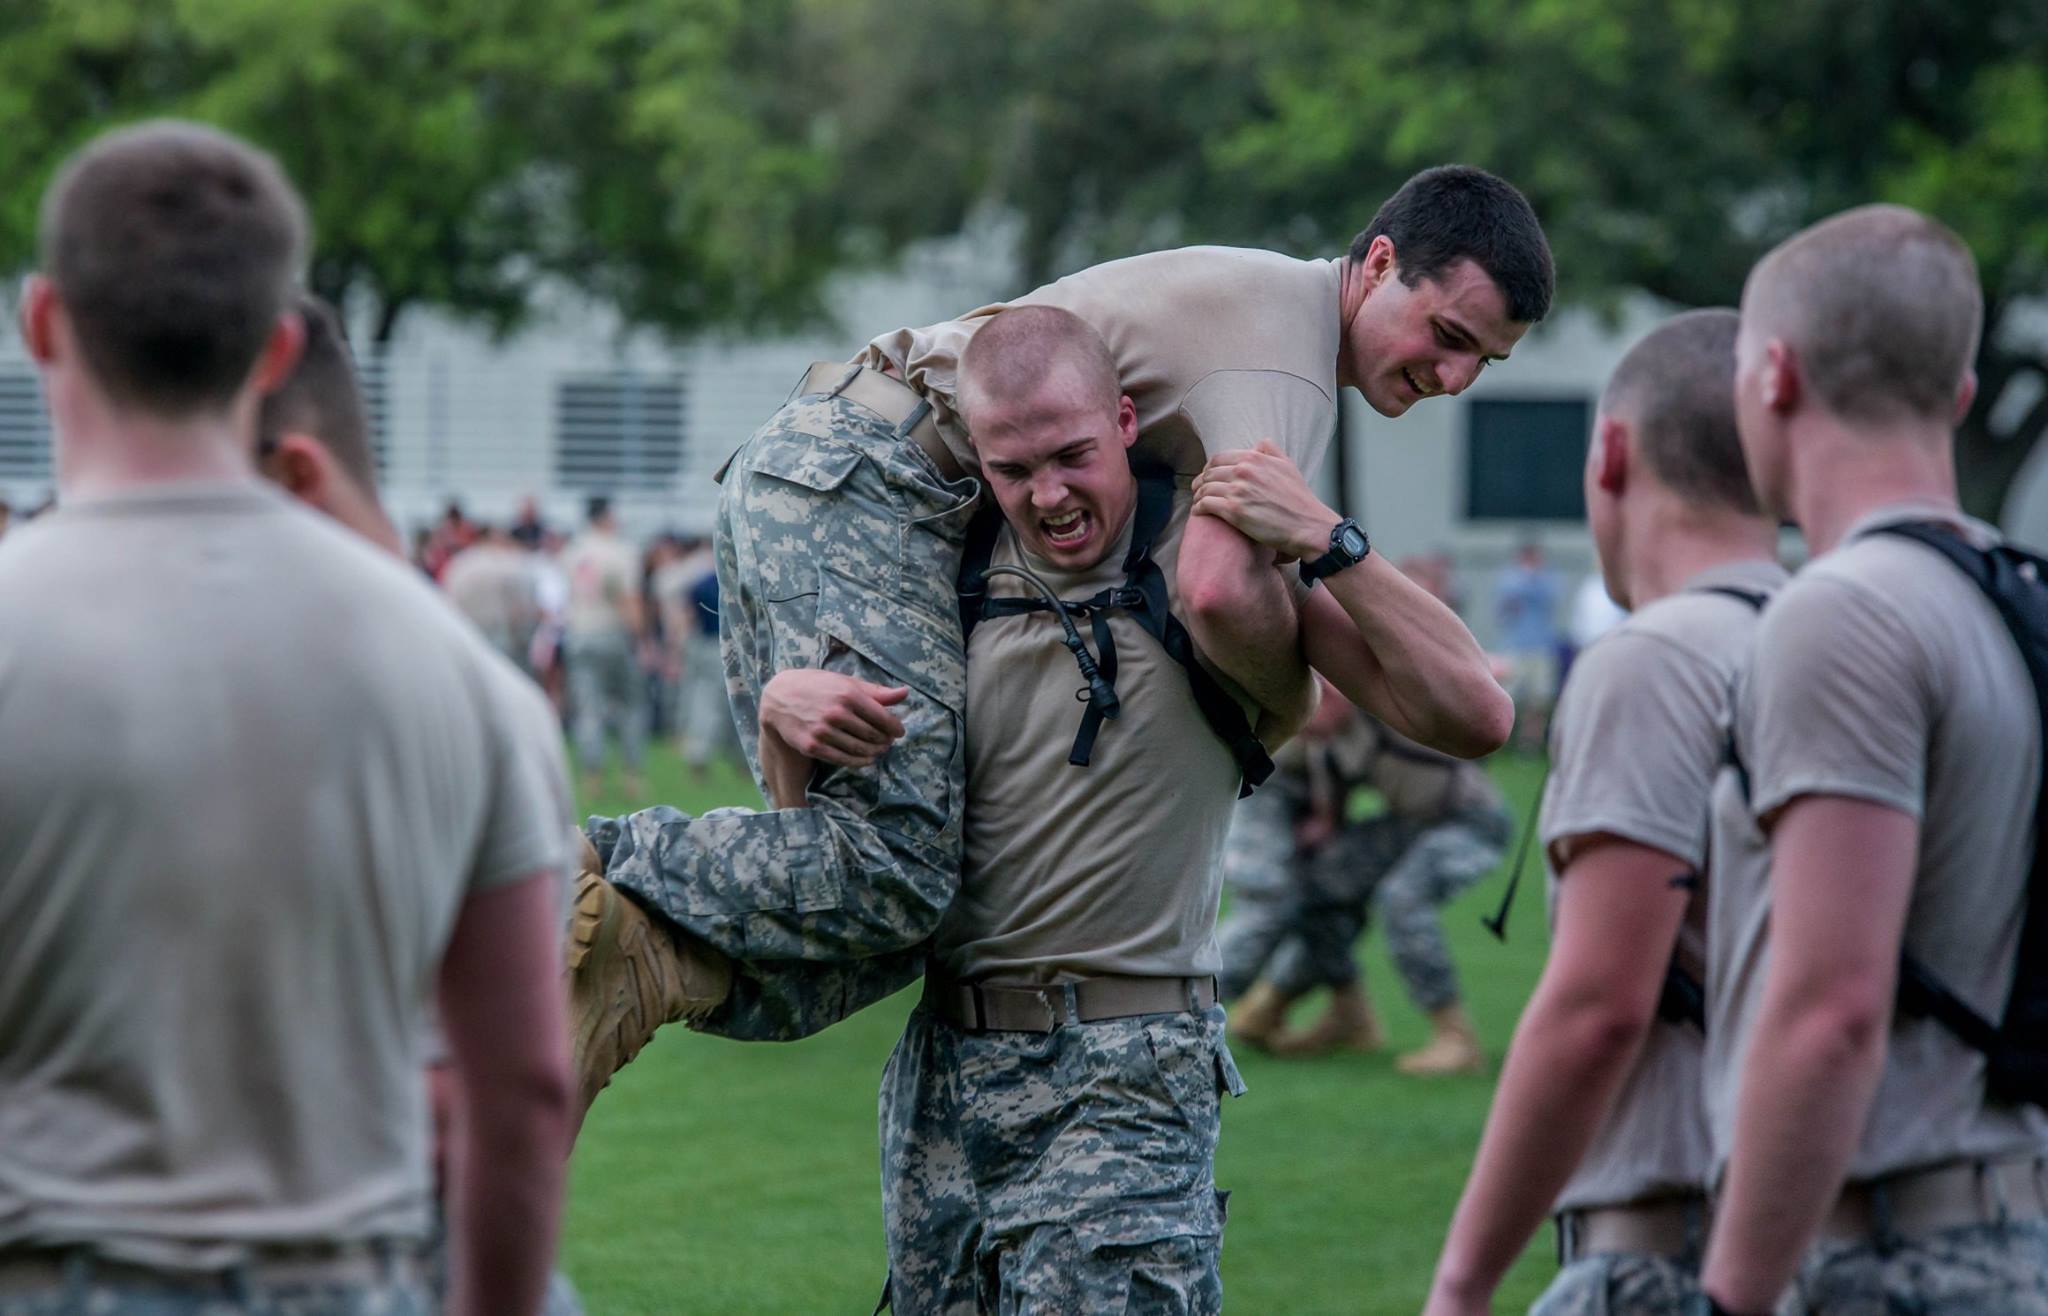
column 599, row 507
column 1676, row 388
column 1458, row 212
column 174, row 248
column 321, row 397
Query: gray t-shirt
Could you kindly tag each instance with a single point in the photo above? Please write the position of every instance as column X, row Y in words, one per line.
column 1635, row 745
column 1882, row 674
column 1115, row 867
column 253, row 767
column 1217, row 347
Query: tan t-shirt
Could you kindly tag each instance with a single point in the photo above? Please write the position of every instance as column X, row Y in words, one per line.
column 1635, row 745
column 603, row 573
column 253, row 768
column 1218, row 347
column 1114, row 867
column 1882, row 674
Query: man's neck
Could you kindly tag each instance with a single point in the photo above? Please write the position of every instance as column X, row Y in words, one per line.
column 1351, row 291
column 102, row 450
column 1677, row 547
column 1840, row 475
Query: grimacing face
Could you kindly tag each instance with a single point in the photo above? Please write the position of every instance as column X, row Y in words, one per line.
column 1058, row 465
column 1405, row 344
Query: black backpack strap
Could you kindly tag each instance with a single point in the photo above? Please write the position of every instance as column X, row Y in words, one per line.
column 983, row 530
column 2017, row 1056
column 1497, row 922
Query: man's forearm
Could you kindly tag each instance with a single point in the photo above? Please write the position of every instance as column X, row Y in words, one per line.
column 1806, row 1092
column 505, row 1200
column 1568, row 1061
column 1396, row 650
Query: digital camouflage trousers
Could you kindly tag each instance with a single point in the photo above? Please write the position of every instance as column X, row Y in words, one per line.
column 1062, row 1172
column 838, row 546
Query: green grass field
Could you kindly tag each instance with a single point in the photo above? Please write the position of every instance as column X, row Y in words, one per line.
column 717, row 1177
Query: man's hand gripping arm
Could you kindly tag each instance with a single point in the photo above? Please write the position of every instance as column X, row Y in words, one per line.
column 1393, row 648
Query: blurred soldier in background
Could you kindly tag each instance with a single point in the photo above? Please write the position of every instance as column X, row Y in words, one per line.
column 603, row 629
column 312, row 439
column 1442, row 828
column 492, row 583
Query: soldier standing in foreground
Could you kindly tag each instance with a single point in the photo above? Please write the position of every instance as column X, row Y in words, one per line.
column 261, row 798
column 1599, row 1108
column 1888, row 743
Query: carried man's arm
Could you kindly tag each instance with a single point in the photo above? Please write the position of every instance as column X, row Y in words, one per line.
column 1237, row 601
column 1391, row 646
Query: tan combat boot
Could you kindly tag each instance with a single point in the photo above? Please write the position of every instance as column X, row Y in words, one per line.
column 1259, row 1015
column 628, row 976
column 1347, row 1024
column 1453, row 1048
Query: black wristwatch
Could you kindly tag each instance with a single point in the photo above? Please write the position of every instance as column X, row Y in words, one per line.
column 1348, row 547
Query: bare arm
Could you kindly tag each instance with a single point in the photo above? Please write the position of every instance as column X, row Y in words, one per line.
column 808, row 715
column 503, row 1009
column 1239, row 608
column 1618, row 916
column 1841, row 880
column 1391, row 646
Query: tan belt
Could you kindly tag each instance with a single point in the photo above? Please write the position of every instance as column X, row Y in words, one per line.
column 29, row 1270
column 888, row 397
column 1922, row 1202
column 1674, row 1227
column 1016, row 1008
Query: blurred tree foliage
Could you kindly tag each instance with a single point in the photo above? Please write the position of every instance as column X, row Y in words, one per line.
column 707, row 162
column 459, row 152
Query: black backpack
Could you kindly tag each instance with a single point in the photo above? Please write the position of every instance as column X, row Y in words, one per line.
column 1142, row 597
column 2016, row 1047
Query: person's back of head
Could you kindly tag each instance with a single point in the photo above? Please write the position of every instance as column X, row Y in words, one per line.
column 1666, row 456
column 173, row 250
column 1882, row 309
column 1675, row 391
column 598, row 513
column 1458, row 212
column 313, row 431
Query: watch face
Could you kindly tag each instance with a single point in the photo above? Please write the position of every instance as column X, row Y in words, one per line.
column 1352, row 541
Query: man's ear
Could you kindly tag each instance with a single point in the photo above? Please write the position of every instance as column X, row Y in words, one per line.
column 1126, row 421
column 301, row 464
column 280, row 352
column 1379, row 262
column 1966, row 393
column 1782, row 386
column 1610, row 455
column 39, row 311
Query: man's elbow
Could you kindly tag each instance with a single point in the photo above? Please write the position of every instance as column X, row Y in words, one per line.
column 1840, row 1026
column 1478, row 723
column 1223, row 606
column 1599, row 1026
column 523, row 1108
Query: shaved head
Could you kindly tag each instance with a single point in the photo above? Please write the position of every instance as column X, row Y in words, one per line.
column 1676, row 390
column 1881, row 306
column 1013, row 356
